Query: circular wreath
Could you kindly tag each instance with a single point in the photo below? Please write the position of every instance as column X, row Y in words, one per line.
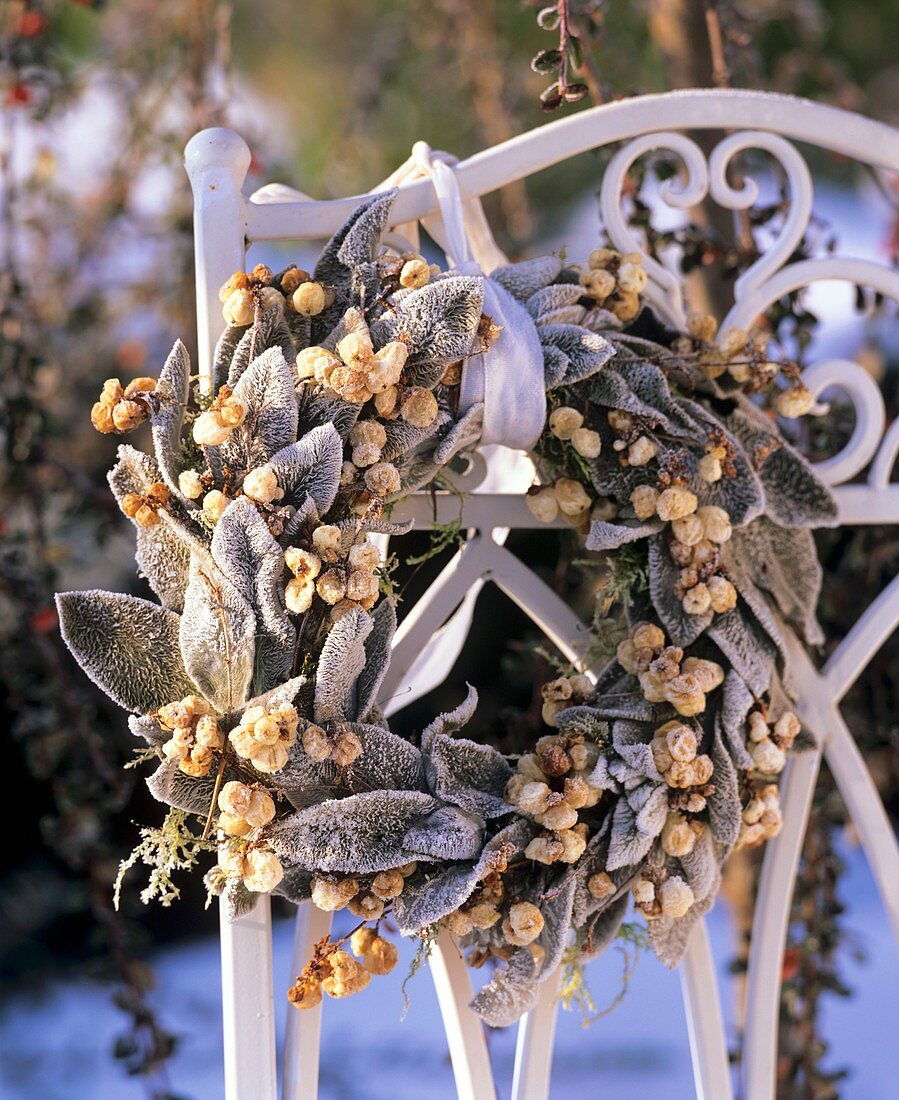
column 254, row 682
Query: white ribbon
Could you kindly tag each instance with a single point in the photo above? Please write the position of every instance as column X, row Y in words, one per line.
column 508, row 378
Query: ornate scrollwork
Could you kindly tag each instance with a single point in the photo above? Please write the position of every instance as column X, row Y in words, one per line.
column 770, row 278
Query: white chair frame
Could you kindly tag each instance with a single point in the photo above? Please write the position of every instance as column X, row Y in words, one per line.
column 226, row 223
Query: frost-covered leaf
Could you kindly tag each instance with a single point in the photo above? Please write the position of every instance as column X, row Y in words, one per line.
column 237, row 900
column 725, row 809
column 794, row 495
column 438, row 322
column 170, row 785
column 428, row 896
column 736, row 701
column 751, row 652
column 602, row 928
column 248, row 555
column 311, row 467
column 784, row 563
column 586, row 352
column 356, row 242
column 377, row 658
column 446, row 833
column 126, row 646
column 654, row 809
column 468, row 774
column 510, row 993
column 218, row 637
column 387, row 762
column 609, row 536
column 450, row 721
column 627, row 844
column 631, row 740
column 148, row 729
column 164, row 559
column 364, row 833
column 270, row 332
column 342, row 659
column 701, row 868
column 172, row 391
column 523, row 280
column 682, row 629
column 549, row 299
column 267, row 393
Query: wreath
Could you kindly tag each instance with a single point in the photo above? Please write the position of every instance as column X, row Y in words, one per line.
column 254, row 681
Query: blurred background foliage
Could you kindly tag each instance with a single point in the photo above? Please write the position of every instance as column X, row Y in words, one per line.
column 98, row 100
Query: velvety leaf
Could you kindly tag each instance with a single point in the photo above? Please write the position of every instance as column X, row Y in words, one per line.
column 311, row 467
column 523, row 280
column 126, row 646
column 364, row 833
column 377, row 658
column 627, row 844
column 446, row 833
column 387, row 762
column 172, row 391
column 451, row 721
column 428, row 897
column 170, row 785
column 342, row 659
column 218, row 637
column 438, row 322
column 510, row 993
column 251, row 559
column 266, row 390
column 468, row 774
column 270, row 332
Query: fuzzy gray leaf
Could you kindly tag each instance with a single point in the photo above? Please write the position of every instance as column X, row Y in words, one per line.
column 725, row 810
column 126, row 646
column 438, row 322
column 451, row 721
column 609, row 536
column 602, row 928
column 468, row 774
column 446, row 833
column 237, row 900
column 248, row 555
column 342, row 659
column 266, row 390
column 523, row 280
column 311, row 467
column 783, row 561
column 377, row 658
column 682, row 629
column 218, row 637
column 428, row 898
column 794, row 495
column 270, row 332
column 364, row 833
column 751, row 653
column 631, row 741
column 510, row 993
column 148, row 729
column 388, row 762
column 587, row 352
column 356, row 241
column 170, row 785
column 164, row 559
column 172, row 390
column 627, row 844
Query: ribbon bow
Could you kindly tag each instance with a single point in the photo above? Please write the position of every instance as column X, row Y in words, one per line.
column 507, row 378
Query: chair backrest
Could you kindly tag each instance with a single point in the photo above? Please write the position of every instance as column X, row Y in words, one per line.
column 226, row 223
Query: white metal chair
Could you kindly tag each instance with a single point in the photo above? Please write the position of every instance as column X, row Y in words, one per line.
column 226, row 222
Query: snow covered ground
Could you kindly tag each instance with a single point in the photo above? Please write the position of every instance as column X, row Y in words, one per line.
column 55, row 1045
